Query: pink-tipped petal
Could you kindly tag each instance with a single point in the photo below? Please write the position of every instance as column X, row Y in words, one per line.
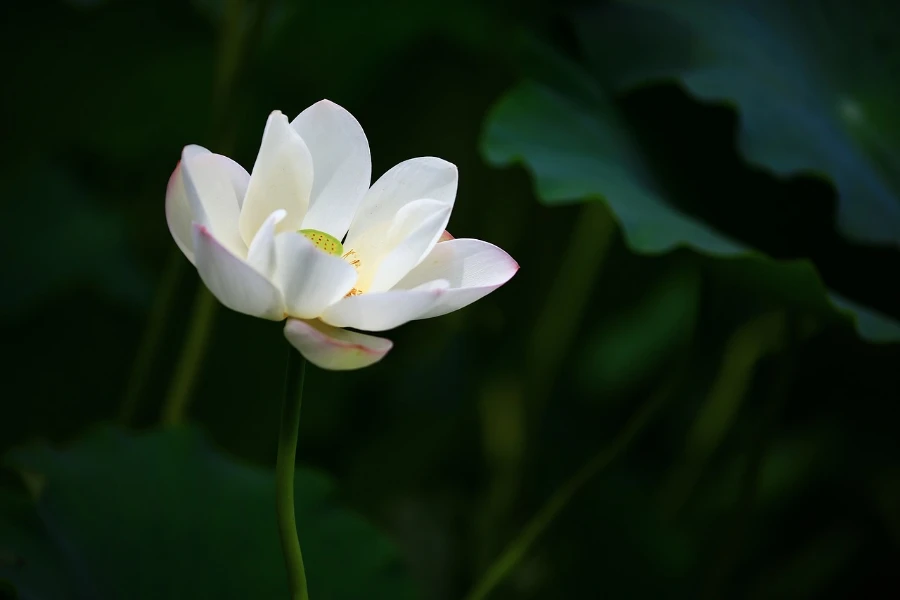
column 178, row 213
column 234, row 282
column 445, row 237
column 335, row 349
column 472, row 267
column 212, row 194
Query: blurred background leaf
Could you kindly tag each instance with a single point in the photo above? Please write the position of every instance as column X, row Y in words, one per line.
column 630, row 347
column 113, row 510
column 808, row 103
column 581, row 151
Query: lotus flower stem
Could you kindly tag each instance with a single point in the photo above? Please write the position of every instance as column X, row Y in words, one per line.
column 234, row 44
column 284, row 474
column 175, row 407
column 152, row 336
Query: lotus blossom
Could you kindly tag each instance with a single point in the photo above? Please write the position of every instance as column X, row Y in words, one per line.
column 305, row 238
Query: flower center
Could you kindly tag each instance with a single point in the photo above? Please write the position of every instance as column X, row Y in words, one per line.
column 323, row 241
column 331, row 245
column 352, row 258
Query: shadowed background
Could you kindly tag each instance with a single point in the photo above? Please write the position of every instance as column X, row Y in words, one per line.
column 696, row 364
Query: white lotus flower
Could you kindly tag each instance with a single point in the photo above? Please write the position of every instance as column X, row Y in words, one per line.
column 304, row 237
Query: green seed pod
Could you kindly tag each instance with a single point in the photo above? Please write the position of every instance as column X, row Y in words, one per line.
column 324, row 242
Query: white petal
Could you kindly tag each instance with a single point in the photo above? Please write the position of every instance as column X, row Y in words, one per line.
column 192, row 150
column 211, row 195
column 310, row 279
column 178, row 213
column 384, row 310
column 414, row 232
column 335, row 349
column 282, row 178
column 386, row 251
column 235, row 283
column 472, row 267
column 341, row 163
column 238, row 174
column 414, row 179
column 261, row 254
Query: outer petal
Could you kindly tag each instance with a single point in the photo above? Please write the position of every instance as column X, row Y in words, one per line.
column 239, row 176
column 212, row 194
column 384, row 310
column 178, row 213
column 341, row 162
column 282, row 178
column 310, row 279
column 417, row 178
column 472, row 267
column 261, row 254
column 235, row 283
column 335, row 349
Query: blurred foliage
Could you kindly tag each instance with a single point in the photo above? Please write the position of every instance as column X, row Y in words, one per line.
column 815, row 82
column 582, row 149
column 114, row 511
column 715, row 204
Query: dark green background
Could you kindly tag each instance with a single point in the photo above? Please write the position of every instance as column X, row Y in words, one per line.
column 769, row 467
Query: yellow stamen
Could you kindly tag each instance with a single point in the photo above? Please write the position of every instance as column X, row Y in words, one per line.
column 352, row 258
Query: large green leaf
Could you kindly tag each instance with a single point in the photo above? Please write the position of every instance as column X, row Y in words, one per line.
column 816, row 82
column 164, row 515
column 578, row 148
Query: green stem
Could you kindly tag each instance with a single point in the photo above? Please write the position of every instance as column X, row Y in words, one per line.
column 234, row 42
column 567, row 300
column 730, row 552
column 284, row 474
column 519, row 547
column 551, row 337
column 191, row 357
column 230, row 48
column 152, row 336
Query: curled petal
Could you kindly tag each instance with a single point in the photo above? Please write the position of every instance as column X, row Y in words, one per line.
column 388, row 251
column 261, row 254
column 417, row 234
column 335, row 349
column 411, row 180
